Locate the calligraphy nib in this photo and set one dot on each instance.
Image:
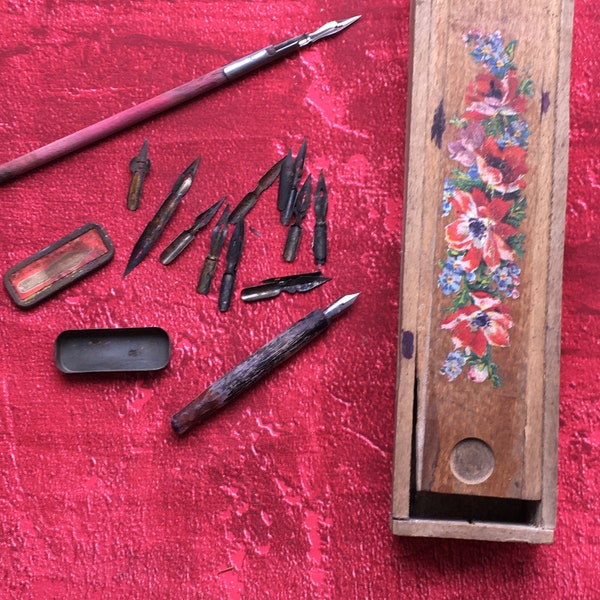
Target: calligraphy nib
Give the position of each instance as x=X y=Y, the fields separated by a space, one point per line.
x=328 y=29
x=340 y=306
x=154 y=229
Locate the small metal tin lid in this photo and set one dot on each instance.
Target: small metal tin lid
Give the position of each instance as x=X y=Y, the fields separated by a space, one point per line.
x=112 y=350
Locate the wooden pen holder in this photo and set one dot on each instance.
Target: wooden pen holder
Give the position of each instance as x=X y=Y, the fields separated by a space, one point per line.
x=479 y=347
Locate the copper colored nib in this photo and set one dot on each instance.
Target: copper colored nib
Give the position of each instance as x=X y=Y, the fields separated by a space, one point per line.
x=139 y=167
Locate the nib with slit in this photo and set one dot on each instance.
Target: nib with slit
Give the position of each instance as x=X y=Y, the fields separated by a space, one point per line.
x=271 y=288
x=217 y=239
x=251 y=198
x=139 y=167
x=328 y=29
x=156 y=226
x=184 y=239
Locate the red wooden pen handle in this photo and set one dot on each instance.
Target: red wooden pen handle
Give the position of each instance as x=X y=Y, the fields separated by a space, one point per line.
x=251 y=370
x=111 y=125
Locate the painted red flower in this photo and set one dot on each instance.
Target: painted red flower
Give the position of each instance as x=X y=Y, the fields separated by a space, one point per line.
x=502 y=168
x=479 y=230
x=490 y=95
x=475 y=326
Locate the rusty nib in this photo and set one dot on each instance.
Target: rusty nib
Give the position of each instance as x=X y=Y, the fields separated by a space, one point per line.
x=139 y=167
x=184 y=239
x=301 y=206
x=156 y=226
x=217 y=239
x=234 y=253
x=320 y=231
x=297 y=171
x=251 y=198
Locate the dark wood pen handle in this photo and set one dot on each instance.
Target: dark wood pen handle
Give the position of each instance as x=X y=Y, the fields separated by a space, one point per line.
x=248 y=372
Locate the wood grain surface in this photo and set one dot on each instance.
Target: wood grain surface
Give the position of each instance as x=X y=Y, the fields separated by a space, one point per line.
x=477 y=438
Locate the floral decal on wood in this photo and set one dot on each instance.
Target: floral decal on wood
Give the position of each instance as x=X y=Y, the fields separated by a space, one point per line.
x=485 y=204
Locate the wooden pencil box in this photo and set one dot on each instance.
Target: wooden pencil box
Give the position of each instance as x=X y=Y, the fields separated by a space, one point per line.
x=480 y=307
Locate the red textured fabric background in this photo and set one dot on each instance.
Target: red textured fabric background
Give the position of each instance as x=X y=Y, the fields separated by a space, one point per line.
x=287 y=493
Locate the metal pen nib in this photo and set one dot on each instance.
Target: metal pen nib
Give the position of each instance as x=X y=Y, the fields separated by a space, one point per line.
x=340 y=306
x=328 y=29
x=184 y=239
x=267 y=55
x=159 y=221
x=139 y=167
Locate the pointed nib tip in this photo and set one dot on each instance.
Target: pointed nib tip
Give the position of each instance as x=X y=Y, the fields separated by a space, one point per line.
x=194 y=166
x=348 y=22
x=341 y=305
x=328 y=29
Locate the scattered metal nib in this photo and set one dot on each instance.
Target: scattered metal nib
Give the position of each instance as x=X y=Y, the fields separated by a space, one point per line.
x=156 y=226
x=184 y=239
x=251 y=198
x=292 y=192
x=301 y=206
x=285 y=181
x=219 y=233
x=320 y=233
x=234 y=252
x=139 y=167
x=270 y=288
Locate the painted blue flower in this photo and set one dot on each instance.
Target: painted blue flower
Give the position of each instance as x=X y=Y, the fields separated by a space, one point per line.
x=503 y=279
x=473 y=172
x=453 y=365
x=449 y=188
x=513 y=269
x=453 y=263
x=489 y=49
x=449 y=281
x=507 y=279
x=516 y=134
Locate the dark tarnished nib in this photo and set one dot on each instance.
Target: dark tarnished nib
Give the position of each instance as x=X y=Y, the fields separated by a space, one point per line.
x=320 y=231
x=301 y=206
x=139 y=167
x=251 y=198
x=303 y=199
x=270 y=288
x=184 y=239
x=234 y=253
x=219 y=233
x=286 y=214
x=285 y=181
x=156 y=226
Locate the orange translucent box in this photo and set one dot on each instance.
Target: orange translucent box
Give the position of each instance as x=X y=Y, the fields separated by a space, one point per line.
x=59 y=265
